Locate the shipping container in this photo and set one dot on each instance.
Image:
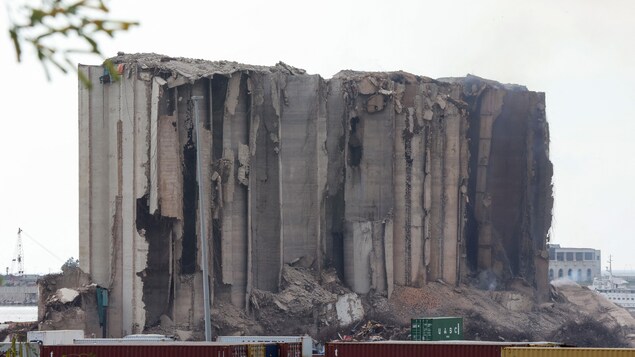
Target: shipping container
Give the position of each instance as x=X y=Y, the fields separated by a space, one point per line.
x=139 y=350
x=174 y=349
x=57 y=337
x=567 y=352
x=418 y=349
x=239 y=351
x=272 y=350
x=436 y=329
x=291 y=349
x=305 y=342
x=256 y=350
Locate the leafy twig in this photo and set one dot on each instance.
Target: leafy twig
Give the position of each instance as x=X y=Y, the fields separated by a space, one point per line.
x=83 y=19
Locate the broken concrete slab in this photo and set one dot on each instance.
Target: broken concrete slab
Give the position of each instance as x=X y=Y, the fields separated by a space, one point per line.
x=66 y=295
x=349 y=309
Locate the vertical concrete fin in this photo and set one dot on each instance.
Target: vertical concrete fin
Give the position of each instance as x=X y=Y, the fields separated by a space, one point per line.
x=491 y=105
x=264 y=184
x=85 y=169
x=115 y=183
x=336 y=116
x=401 y=245
x=322 y=171
x=389 y=255
x=141 y=172
x=233 y=92
x=436 y=146
x=170 y=180
x=451 y=177
x=157 y=82
x=299 y=169
x=377 y=257
x=227 y=234
x=127 y=154
x=100 y=236
x=357 y=255
x=227 y=253
x=417 y=233
x=255 y=88
x=277 y=87
x=236 y=223
x=462 y=261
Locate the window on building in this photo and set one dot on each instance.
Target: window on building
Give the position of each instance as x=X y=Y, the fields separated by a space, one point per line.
x=550 y=274
x=579 y=256
x=588 y=274
x=569 y=256
x=588 y=256
x=552 y=253
x=597 y=257
x=569 y=273
x=560 y=256
x=560 y=273
x=579 y=275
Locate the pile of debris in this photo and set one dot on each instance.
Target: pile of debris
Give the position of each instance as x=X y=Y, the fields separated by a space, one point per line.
x=303 y=305
x=68 y=301
x=374 y=331
x=512 y=314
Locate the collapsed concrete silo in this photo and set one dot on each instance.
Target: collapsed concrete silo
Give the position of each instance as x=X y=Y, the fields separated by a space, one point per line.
x=389 y=177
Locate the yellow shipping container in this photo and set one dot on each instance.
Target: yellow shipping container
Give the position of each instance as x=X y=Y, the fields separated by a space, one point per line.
x=256 y=351
x=567 y=352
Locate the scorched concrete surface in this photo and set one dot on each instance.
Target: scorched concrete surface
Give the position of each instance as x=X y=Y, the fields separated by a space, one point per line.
x=390 y=179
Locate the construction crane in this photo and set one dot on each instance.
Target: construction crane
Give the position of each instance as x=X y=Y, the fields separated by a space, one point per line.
x=17 y=263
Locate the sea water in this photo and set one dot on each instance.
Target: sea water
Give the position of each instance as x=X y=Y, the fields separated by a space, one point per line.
x=18 y=313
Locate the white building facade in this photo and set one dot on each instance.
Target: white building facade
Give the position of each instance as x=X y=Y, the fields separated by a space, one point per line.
x=578 y=264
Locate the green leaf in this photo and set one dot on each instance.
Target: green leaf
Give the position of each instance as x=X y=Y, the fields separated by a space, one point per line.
x=85 y=80
x=114 y=74
x=93 y=44
x=37 y=16
x=16 y=43
x=45 y=26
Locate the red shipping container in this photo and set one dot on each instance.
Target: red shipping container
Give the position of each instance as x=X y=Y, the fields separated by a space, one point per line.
x=290 y=349
x=165 y=349
x=138 y=350
x=419 y=349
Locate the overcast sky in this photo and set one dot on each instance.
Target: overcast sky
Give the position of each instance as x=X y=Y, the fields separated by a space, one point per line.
x=581 y=53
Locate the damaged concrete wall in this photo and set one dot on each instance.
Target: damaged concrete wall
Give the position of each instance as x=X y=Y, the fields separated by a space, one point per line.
x=390 y=178
x=510 y=184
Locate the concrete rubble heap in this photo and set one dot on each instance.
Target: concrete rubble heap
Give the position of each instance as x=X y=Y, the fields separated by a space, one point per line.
x=388 y=178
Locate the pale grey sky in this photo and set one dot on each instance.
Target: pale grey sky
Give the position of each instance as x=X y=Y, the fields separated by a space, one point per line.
x=581 y=53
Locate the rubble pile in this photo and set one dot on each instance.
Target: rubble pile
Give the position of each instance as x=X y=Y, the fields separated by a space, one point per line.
x=303 y=305
x=513 y=313
x=68 y=301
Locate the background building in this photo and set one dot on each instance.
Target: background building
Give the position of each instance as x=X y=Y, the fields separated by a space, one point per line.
x=578 y=264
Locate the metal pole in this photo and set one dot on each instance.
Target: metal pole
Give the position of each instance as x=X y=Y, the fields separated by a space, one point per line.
x=208 y=322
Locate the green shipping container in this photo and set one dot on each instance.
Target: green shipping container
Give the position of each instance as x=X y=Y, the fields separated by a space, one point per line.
x=436 y=329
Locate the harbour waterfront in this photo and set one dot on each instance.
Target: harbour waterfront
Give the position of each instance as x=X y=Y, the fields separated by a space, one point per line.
x=18 y=313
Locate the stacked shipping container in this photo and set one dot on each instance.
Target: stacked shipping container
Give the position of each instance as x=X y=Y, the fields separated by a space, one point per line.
x=176 y=349
x=468 y=349
x=432 y=349
x=337 y=349
x=567 y=352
